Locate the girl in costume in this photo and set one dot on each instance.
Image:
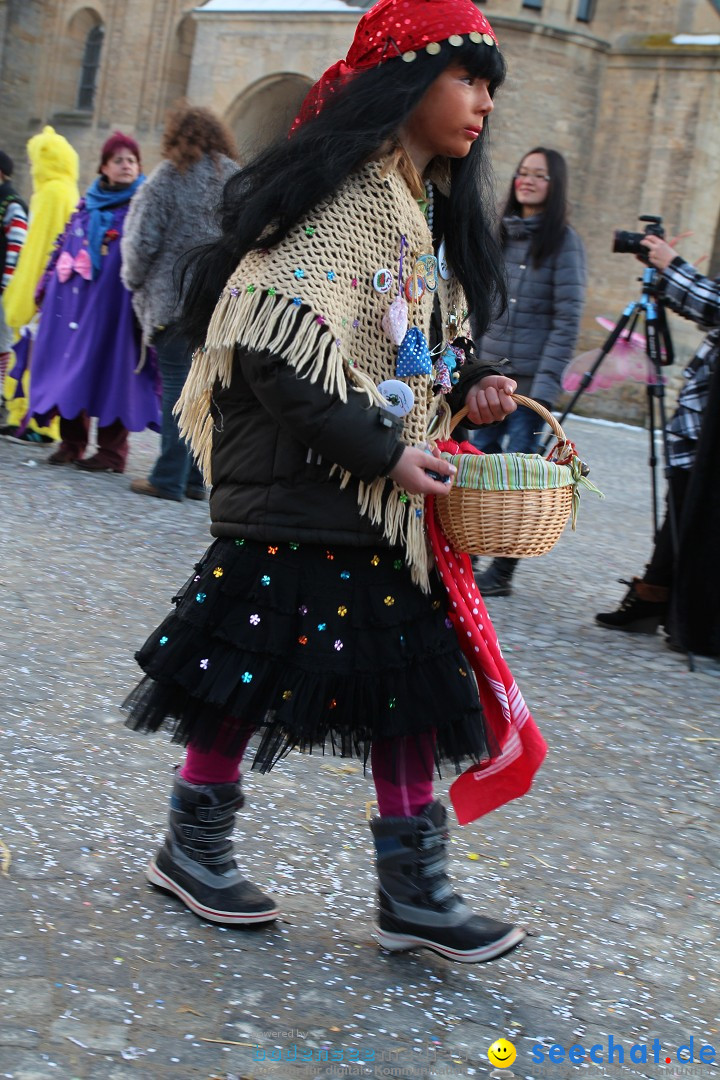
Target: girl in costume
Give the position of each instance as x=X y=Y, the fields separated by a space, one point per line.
x=54 y=166
x=87 y=355
x=536 y=335
x=317 y=617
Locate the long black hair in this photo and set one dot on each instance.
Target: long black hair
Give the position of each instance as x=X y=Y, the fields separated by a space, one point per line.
x=548 y=237
x=262 y=202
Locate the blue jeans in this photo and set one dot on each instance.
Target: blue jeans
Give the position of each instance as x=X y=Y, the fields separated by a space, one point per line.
x=515 y=434
x=174 y=471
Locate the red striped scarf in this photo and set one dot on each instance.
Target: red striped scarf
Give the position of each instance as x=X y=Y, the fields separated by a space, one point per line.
x=507 y=775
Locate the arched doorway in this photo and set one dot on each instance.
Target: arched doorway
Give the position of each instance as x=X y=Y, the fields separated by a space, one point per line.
x=264 y=111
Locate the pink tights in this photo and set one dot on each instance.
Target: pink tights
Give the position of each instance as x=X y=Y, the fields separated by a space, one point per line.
x=213 y=766
x=402 y=771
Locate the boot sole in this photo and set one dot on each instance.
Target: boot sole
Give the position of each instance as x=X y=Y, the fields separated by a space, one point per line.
x=640 y=626
x=227 y=918
x=492 y=951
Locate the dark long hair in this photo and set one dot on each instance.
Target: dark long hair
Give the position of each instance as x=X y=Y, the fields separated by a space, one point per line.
x=548 y=237
x=265 y=200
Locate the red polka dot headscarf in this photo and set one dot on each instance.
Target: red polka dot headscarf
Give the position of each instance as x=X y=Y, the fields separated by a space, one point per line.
x=403 y=28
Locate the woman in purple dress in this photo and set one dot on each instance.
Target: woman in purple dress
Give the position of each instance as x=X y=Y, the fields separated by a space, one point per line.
x=87 y=357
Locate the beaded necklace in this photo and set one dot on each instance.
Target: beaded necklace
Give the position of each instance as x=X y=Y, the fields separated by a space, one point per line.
x=427 y=205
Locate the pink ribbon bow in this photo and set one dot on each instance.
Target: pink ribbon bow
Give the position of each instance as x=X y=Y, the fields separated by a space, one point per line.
x=67 y=265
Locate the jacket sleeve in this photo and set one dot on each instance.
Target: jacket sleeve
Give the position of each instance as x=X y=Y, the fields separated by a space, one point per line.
x=144 y=232
x=358 y=436
x=568 y=297
x=688 y=293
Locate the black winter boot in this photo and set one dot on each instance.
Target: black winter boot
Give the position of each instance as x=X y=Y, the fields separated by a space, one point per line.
x=497 y=579
x=641 y=611
x=196 y=861
x=417 y=906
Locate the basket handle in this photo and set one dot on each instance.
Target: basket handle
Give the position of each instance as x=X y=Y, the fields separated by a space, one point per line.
x=520 y=399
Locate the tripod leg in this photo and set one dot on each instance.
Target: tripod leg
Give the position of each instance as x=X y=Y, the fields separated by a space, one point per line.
x=655 y=326
x=652 y=460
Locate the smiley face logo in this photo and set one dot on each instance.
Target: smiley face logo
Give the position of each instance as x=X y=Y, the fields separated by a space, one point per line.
x=502 y=1054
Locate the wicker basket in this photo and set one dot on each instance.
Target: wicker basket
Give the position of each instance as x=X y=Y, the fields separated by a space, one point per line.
x=516 y=523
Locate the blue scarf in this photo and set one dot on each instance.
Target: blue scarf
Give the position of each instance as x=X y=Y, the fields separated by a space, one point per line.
x=100 y=203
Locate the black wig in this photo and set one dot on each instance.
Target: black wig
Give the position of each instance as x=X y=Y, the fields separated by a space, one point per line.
x=262 y=202
x=547 y=239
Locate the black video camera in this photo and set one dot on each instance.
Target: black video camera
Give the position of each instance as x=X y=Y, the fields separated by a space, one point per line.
x=629 y=242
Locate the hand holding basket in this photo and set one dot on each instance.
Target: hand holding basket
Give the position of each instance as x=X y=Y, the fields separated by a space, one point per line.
x=512 y=505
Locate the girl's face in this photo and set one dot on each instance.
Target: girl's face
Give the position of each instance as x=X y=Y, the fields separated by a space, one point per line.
x=448 y=119
x=122 y=168
x=532 y=184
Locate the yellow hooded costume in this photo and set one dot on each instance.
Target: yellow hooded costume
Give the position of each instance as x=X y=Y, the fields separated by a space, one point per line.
x=55 y=167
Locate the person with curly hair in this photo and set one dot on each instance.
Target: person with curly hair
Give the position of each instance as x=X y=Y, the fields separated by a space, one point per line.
x=174 y=212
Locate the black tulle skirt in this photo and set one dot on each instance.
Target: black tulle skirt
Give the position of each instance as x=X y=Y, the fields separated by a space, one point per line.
x=311 y=646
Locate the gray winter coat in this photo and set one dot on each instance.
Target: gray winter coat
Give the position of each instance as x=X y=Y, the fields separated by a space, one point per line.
x=538 y=332
x=171 y=213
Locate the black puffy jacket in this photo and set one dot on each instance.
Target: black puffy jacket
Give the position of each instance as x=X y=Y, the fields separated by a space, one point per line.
x=276 y=439
x=538 y=332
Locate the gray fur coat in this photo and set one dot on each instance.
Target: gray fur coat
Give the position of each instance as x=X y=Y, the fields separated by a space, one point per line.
x=171 y=213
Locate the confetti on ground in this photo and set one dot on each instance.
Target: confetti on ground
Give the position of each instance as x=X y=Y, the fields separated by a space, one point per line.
x=609 y=860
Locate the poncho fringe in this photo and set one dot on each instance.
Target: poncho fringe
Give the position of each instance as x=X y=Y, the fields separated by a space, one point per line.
x=334 y=316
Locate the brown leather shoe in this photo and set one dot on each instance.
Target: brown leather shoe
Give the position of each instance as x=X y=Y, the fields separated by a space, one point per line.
x=144 y=487
x=98 y=463
x=63 y=456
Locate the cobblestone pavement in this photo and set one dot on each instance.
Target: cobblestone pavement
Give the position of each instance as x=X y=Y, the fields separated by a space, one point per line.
x=612 y=860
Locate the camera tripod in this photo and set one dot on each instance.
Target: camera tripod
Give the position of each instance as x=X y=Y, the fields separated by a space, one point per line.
x=659 y=348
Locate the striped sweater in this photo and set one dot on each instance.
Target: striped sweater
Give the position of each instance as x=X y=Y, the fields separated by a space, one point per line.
x=14 y=230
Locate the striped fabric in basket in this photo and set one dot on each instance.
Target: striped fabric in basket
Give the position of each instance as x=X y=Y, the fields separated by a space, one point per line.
x=509 y=472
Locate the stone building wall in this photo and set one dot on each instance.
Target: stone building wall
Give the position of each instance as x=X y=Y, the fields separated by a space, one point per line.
x=241 y=58
x=144 y=65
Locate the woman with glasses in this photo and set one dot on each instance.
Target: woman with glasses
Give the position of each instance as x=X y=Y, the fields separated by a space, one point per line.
x=536 y=336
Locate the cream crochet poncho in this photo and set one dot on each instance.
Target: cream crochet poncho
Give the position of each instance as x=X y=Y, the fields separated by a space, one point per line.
x=312 y=301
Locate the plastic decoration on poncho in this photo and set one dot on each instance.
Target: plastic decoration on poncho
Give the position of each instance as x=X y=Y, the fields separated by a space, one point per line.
x=413 y=355
x=395 y=320
x=446 y=369
x=511 y=505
